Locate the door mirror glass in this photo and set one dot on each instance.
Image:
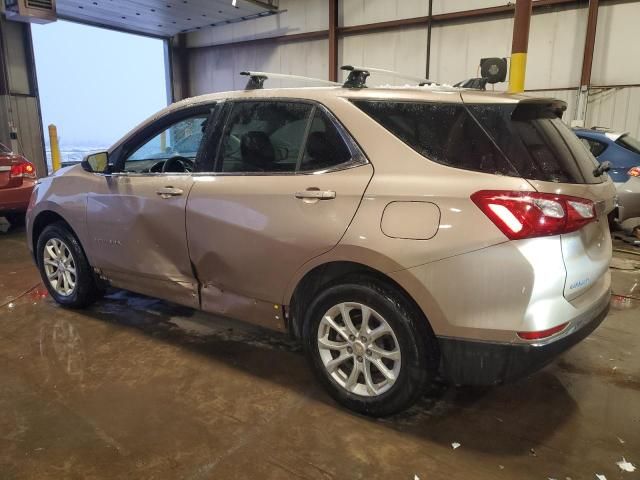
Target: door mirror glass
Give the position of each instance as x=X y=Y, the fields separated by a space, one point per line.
x=96 y=162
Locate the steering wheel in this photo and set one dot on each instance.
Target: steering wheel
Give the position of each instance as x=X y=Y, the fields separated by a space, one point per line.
x=177 y=163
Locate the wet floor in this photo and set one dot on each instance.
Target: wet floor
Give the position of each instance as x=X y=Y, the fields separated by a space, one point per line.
x=137 y=388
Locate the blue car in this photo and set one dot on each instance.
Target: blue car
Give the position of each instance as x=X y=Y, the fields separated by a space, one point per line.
x=623 y=151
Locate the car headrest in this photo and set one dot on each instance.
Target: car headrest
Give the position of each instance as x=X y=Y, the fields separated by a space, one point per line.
x=257 y=150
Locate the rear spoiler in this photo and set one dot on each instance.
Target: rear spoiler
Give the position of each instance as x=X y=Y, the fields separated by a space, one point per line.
x=555 y=105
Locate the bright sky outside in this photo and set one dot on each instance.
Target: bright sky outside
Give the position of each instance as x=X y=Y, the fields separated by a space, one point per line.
x=96 y=84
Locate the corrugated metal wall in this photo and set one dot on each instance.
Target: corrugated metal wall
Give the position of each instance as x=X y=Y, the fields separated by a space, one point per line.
x=24 y=113
x=554 y=64
x=617 y=108
x=18 y=104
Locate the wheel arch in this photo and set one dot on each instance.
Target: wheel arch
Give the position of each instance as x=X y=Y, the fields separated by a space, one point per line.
x=42 y=220
x=328 y=273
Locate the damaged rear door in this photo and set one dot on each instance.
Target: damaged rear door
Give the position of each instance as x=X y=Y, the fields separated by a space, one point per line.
x=281 y=189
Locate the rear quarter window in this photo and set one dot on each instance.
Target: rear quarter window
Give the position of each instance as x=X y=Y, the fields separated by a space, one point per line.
x=444 y=133
x=527 y=140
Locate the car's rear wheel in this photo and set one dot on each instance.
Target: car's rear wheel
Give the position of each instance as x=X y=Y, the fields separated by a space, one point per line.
x=368 y=346
x=64 y=268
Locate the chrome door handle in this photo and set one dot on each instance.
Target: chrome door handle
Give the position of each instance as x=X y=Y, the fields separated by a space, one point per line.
x=168 y=192
x=315 y=194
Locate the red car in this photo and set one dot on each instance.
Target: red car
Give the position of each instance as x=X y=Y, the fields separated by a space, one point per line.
x=17 y=179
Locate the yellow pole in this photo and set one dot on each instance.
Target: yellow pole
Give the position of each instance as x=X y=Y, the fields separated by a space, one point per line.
x=519 y=46
x=517 y=72
x=55 y=148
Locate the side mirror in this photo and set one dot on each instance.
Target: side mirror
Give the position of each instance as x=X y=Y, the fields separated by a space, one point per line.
x=96 y=162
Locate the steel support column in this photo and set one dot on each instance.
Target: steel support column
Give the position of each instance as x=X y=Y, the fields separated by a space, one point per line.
x=519 y=46
x=333 y=40
x=179 y=64
x=429 y=24
x=587 y=62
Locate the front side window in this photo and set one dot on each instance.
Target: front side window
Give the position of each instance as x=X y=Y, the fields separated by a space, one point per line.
x=264 y=137
x=172 y=150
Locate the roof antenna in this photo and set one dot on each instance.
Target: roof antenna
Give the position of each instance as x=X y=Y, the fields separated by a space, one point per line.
x=256 y=79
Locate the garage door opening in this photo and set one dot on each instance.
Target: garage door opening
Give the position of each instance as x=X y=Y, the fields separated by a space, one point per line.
x=95 y=84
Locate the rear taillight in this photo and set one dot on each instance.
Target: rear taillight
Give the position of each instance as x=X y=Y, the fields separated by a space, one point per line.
x=24 y=169
x=539 y=335
x=531 y=214
x=634 y=172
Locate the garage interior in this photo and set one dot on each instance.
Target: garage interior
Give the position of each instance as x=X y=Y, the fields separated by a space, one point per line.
x=135 y=387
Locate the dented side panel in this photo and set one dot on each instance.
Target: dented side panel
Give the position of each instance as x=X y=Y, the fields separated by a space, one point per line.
x=137 y=236
x=249 y=234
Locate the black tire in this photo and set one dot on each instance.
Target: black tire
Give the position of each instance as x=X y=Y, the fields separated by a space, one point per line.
x=417 y=344
x=86 y=289
x=614 y=224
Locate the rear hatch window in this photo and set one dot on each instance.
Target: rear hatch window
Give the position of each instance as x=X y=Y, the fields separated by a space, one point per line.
x=536 y=141
x=521 y=140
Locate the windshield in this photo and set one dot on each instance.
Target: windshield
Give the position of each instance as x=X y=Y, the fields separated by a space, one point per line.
x=630 y=143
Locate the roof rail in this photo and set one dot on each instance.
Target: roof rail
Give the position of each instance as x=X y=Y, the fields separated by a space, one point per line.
x=358 y=76
x=256 y=79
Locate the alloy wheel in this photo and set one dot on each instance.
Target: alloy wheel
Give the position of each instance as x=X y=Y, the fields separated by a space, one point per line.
x=60 y=267
x=359 y=349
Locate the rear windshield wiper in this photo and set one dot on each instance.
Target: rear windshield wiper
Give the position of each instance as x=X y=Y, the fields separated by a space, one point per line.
x=600 y=169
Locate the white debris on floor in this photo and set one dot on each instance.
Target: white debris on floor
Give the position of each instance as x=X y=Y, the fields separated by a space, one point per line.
x=600 y=477
x=626 y=466
x=455 y=445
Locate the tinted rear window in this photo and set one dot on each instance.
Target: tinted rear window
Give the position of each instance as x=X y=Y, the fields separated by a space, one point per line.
x=444 y=133
x=537 y=143
x=527 y=140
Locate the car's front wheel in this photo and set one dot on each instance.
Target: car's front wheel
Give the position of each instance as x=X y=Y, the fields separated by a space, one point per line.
x=368 y=346
x=64 y=268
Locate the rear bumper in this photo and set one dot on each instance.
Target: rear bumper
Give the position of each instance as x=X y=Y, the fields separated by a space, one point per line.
x=16 y=199
x=467 y=362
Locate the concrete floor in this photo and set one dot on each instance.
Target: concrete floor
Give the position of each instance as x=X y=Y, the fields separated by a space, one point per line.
x=137 y=388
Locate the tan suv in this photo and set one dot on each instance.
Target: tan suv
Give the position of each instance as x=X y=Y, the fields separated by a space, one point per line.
x=400 y=233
